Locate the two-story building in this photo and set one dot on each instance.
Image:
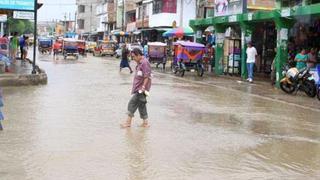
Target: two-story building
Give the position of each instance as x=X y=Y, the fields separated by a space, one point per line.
x=86 y=16
x=157 y=16
x=106 y=21
x=277 y=28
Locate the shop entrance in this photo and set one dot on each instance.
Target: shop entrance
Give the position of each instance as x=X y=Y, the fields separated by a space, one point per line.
x=264 y=39
x=232 y=51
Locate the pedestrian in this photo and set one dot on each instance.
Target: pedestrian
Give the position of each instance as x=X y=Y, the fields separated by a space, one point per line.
x=1 y=114
x=14 y=44
x=301 y=59
x=312 y=58
x=22 y=44
x=140 y=89
x=124 y=59
x=57 y=46
x=251 y=59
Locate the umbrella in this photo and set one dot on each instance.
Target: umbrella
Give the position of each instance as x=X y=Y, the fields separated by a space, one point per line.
x=178 y=32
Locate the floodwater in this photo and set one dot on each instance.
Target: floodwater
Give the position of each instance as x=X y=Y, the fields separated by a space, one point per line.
x=69 y=130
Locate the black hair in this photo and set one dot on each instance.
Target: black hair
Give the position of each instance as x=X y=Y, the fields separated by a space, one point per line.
x=137 y=51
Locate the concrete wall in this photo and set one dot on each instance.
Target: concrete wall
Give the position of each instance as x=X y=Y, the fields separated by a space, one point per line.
x=166 y=19
x=89 y=16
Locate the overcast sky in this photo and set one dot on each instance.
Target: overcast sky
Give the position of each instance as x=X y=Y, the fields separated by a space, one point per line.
x=56 y=9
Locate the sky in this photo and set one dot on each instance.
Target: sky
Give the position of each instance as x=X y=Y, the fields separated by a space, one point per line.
x=56 y=9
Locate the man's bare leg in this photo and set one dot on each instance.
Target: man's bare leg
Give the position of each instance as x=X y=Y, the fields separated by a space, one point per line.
x=145 y=123
x=127 y=124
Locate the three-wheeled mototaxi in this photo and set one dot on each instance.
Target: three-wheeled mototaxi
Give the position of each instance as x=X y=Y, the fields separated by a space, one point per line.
x=82 y=47
x=188 y=57
x=105 y=48
x=157 y=53
x=70 y=48
x=45 y=45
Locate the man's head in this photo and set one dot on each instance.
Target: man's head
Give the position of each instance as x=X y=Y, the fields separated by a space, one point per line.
x=15 y=34
x=136 y=54
x=249 y=44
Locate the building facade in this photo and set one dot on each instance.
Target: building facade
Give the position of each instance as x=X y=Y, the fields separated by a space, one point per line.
x=277 y=28
x=87 y=15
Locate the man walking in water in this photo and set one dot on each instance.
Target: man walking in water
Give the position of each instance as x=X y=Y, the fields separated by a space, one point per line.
x=140 y=89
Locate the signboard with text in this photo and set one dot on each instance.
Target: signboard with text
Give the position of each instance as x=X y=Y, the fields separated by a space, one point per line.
x=229 y=7
x=23 y=15
x=26 y=5
x=3 y=17
x=261 y=4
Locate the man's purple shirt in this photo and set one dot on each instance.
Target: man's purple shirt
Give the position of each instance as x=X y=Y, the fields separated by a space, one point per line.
x=143 y=70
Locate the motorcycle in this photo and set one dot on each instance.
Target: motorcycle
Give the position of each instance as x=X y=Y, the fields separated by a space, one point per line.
x=318 y=83
x=296 y=80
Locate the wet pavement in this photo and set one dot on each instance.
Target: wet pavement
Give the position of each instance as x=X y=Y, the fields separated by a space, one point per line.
x=69 y=129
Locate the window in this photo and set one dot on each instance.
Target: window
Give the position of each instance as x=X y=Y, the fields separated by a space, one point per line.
x=81 y=23
x=169 y=6
x=131 y=16
x=143 y=12
x=157 y=6
x=81 y=8
x=164 y=6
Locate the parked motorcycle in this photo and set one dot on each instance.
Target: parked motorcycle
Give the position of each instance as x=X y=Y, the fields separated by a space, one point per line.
x=296 y=80
x=318 y=83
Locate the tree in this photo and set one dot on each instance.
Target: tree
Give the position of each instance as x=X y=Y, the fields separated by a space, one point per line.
x=20 y=26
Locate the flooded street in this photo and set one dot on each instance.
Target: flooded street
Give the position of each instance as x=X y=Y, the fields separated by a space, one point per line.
x=69 y=130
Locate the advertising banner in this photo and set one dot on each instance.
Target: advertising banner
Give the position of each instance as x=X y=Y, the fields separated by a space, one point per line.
x=27 y=5
x=23 y=15
x=229 y=7
x=261 y=4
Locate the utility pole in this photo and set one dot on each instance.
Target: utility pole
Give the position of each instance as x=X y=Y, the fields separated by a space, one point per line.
x=142 y=23
x=35 y=36
x=181 y=13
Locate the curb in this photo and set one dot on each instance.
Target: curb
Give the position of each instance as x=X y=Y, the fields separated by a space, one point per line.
x=24 y=79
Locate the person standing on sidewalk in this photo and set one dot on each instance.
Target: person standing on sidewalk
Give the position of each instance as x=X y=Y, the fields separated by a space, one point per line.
x=1 y=114
x=14 y=44
x=140 y=89
x=124 y=59
x=251 y=59
x=22 y=44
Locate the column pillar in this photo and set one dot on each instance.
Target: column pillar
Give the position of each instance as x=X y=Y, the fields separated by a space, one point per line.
x=283 y=26
x=246 y=36
x=219 y=51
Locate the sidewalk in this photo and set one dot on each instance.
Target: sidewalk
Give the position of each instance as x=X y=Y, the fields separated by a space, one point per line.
x=20 y=75
x=259 y=88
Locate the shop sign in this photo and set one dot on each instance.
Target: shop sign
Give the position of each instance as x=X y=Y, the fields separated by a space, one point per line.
x=23 y=15
x=229 y=7
x=284 y=34
x=261 y=4
x=285 y=12
x=232 y=18
x=250 y=15
x=3 y=17
x=199 y=34
x=220 y=38
x=27 y=5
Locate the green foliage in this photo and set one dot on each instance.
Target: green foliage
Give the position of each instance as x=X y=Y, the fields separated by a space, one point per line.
x=20 y=26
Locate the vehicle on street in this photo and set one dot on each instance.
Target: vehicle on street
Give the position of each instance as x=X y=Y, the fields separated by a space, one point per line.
x=134 y=45
x=105 y=48
x=82 y=47
x=70 y=48
x=318 y=82
x=90 y=45
x=296 y=80
x=45 y=45
x=157 y=53
x=188 y=57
